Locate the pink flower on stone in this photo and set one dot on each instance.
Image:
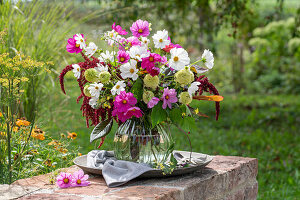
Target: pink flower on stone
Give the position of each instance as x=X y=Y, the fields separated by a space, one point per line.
x=119 y=29
x=134 y=111
x=153 y=102
x=140 y=28
x=64 y=180
x=72 y=47
x=80 y=179
x=123 y=57
x=169 y=97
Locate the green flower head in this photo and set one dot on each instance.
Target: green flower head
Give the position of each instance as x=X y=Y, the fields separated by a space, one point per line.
x=91 y=75
x=185 y=98
x=184 y=77
x=151 y=81
x=104 y=77
x=86 y=91
x=147 y=96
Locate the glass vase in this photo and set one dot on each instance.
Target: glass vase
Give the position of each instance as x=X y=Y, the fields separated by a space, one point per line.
x=136 y=141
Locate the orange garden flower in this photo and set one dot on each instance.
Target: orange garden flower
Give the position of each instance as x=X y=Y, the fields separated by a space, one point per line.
x=37 y=133
x=54 y=143
x=22 y=122
x=1 y=114
x=72 y=135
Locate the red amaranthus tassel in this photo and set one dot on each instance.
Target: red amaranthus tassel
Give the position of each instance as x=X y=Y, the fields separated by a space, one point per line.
x=206 y=86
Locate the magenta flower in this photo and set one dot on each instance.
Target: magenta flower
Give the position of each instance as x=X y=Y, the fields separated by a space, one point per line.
x=153 y=102
x=169 y=97
x=123 y=56
x=119 y=29
x=134 y=111
x=124 y=101
x=72 y=47
x=80 y=179
x=148 y=63
x=140 y=28
x=133 y=41
x=64 y=180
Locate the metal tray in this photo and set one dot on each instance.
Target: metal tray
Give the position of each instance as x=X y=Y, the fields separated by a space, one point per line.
x=82 y=163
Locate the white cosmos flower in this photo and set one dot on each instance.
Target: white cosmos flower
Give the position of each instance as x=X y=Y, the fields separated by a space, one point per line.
x=160 y=39
x=93 y=102
x=145 y=41
x=120 y=86
x=138 y=52
x=179 y=58
x=193 y=88
x=101 y=68
x=95 y=89
x=107 y=56
x=76 y=70
x=80 y=41
x=110 y=37
x=91 y=49
x=208 y=58
x=129 y=70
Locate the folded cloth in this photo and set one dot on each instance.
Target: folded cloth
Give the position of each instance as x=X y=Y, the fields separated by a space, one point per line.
x=115 y=172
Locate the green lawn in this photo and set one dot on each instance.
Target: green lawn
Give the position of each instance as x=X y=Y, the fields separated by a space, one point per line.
x=264 y=127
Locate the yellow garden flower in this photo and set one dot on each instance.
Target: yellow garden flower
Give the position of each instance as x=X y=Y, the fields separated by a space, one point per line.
x=37 y=133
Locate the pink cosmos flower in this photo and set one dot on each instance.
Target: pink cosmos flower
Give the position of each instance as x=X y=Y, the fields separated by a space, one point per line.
x=169 y=97
x=119 y=29
x=123 y=56
x=171 y=46
x=124 y=101
x=80 y=179
x=72 y=47
x=133 y=41
x=134 y=111
x=148 y=63
x=153 y=102
x=140 y=28
x=64 y=180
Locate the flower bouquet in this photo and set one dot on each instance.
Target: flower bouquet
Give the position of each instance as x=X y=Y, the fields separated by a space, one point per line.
x=143 y=84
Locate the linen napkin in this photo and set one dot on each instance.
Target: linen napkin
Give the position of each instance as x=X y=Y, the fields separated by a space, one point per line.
x=115 y=172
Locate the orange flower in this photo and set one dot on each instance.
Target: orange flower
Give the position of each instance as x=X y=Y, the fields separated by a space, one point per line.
x=62 y=150
x=37 y=133
x=72 y=135
x=79 y=154
x=15 y=129
x=54 y=142
x=1 y=114
x=3 y=134
x=22 y=122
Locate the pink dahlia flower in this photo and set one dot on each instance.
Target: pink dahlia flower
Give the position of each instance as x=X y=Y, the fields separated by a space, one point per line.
x=169 y=97
x=123 y=57
x=119 y=29
x=140 y=28
x=72 y=47
x=134 y=111
x=153 y=102
x=64 y=180
x=80 y=179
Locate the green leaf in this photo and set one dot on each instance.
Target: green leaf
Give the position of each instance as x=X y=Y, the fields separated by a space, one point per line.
x=188 y=124
x=173 y=161
x=158 y=114
x=137 y=89
x=101 y=129
x=176 y=116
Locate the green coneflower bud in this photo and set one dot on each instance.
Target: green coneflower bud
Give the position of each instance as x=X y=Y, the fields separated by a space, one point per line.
x=184 y=77
x=151 y=81
x=147 y=96
x=91 y=75
x=86 y=91
x=185 y=98
x=104 y=77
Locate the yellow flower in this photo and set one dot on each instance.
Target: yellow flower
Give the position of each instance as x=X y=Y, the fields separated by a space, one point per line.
x=151 y=81
x=62 y=135
x=22 y=122
x=54 y=142
x=3 y=134
x=72 y=135
x=15 y=129
x=1 y=114
x=62 y=150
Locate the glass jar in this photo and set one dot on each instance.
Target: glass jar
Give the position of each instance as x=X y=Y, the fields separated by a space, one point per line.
x=136 y=141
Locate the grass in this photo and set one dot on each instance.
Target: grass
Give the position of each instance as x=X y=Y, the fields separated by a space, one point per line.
x=263 y=127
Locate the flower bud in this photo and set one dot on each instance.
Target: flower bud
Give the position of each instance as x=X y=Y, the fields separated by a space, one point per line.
x=86 y=91
x=91 y=75
x=185 y=98
x=104 y=77
x=151 y=81
x=184 y=77
x=147 y=96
